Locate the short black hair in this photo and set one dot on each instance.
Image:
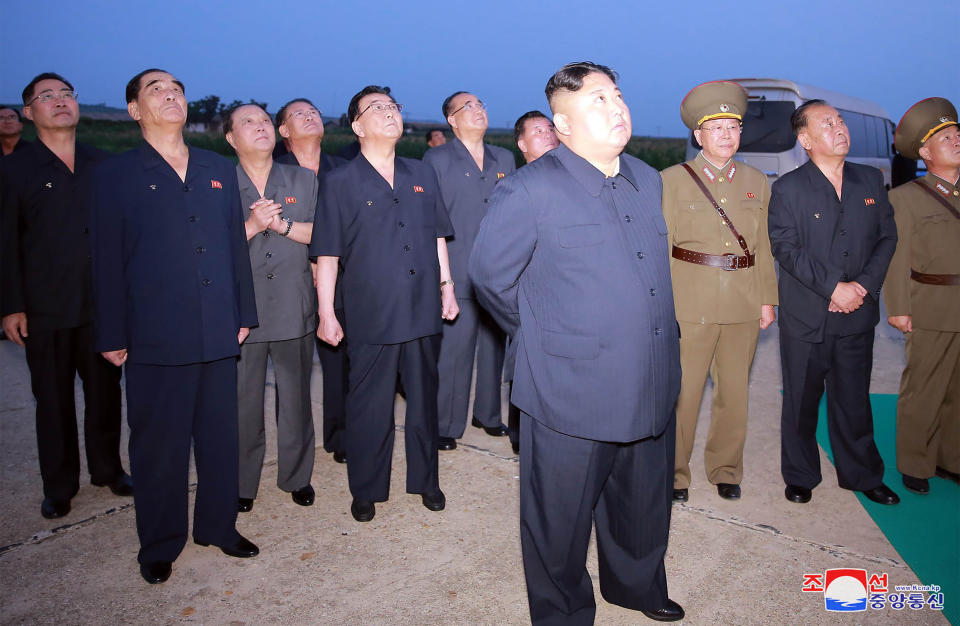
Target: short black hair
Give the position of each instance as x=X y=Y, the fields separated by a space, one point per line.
x=448 y=103
x=353 y=110
x=431 y=131
x=518 y=127
x=570 y=77
x=228 y=115
x=19 y=117
x=798 y=119
x=133 y=85
x=27 y=94
x=282 y=113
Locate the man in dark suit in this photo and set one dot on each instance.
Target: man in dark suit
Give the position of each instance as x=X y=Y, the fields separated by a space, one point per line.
x=381 y=219
x=46 y=298
x=300 y=124
x=11 y=125
x=833 y=234
x=173 y=298
x=572 y=262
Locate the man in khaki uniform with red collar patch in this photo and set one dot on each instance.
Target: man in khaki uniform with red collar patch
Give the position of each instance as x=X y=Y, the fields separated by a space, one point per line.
x=922 y=295
x=725 y=286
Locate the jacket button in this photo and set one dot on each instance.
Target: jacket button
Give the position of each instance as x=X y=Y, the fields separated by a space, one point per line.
x=193 y=218
x=412 y=272
x=406 y=248
x=270 y=276
x=396 y=200
x=653 y=292
x=85 y=231
x=401 y=224
x=845 y=253
x=842 y=232
x=201 y=249
x=627 y=218
x=485 y=200
x=269 y=255
x=657 y=331
x=205 y=282
x=640 y=255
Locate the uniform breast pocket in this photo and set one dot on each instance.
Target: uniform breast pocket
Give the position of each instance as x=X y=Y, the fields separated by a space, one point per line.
x=580 y=236
x=696 y=222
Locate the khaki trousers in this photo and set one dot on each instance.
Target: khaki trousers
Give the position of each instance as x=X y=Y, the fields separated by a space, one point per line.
x=928 y=409
x=725 y=351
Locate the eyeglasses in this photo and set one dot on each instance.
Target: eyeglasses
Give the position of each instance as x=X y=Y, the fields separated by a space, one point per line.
x=8 y=118
x=58 y=96
x=716 y=131
x=382 y=107
x=304 y=113
x=470 y=106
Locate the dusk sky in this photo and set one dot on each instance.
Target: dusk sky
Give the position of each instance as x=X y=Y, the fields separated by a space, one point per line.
x=892 y=52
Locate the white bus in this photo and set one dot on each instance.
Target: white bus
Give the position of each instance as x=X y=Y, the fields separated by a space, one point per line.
x=768 y=144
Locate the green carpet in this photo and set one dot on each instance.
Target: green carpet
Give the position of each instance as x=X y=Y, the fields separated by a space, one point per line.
x=925 y=530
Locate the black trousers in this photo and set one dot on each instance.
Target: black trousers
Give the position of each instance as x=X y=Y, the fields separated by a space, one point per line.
x=336 y=383
x=566 y=485
x=844 y=364
x=55 y=358
x=168 y=407
x=370 y=423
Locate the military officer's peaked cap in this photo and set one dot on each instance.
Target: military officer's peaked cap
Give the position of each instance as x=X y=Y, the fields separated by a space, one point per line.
x=719 y=99
x=921 y=122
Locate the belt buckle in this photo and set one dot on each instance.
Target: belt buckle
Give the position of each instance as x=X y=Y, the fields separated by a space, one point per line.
x=733 y=266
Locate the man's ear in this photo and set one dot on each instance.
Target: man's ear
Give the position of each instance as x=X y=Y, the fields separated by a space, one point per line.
x=357 y=129
x=522 y=144
x=804 y=140
x=27 y=112
x=134 y=110
x=561 y=124
x=283 y=130
x=229 y=138
x=696 y=135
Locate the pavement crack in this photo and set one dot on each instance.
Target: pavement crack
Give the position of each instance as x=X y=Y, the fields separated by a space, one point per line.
x=766 y=529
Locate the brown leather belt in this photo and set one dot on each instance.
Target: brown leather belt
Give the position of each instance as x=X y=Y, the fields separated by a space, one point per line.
x=727 y=262
x=935 y=279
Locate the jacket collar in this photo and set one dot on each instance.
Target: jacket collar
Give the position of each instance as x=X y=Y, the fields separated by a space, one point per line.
x=589 y=177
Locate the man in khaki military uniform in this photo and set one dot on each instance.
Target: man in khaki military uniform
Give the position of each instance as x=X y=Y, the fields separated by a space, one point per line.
x=922 y=294
x=724 y=284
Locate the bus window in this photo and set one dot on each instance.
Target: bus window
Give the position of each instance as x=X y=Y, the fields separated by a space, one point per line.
x=766 y=127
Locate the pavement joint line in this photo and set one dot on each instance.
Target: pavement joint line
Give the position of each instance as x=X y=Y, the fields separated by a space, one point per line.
x=838 y=551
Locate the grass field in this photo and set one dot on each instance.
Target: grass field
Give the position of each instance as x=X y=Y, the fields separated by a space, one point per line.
x=116 y=136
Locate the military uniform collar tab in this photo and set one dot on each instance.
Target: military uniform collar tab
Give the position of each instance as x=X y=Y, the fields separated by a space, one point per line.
x=724 y=173
x=943 y=186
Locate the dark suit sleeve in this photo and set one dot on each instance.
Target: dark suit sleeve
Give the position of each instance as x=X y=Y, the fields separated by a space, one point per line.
x=502 y=250
x=110 y=295
x=875 y=269
x=440 y=214
x=788 y=249
x=246 y=301
x=11 y=284
x=327 y=239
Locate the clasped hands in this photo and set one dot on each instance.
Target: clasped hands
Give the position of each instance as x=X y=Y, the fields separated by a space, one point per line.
x=265 y=214
x=847 y=297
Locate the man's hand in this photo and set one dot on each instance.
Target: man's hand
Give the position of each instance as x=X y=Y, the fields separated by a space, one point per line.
x=15 y=326
x=449 y=309
x=847 y=297
x=329 y=329
x=767 y=316
x=903 y=323
x=117 y=357
x=264 y=214
x=242 y=335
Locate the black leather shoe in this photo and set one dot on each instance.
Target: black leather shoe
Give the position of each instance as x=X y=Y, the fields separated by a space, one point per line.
x=515 y=445
x=52 y=509
x=340 y=457
x=882 y=495
x=798 y=494
x=671 y=612
x=728 y=491
x=447 y=443
x=681 y=495
x=494 y=431
x=242 y=548
x=916 y=485
x=303 y=497
x=156 y=572
x=943 y=472
x=122 y=485
x=362 y=510
x=244 y=505
x=434 y=501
